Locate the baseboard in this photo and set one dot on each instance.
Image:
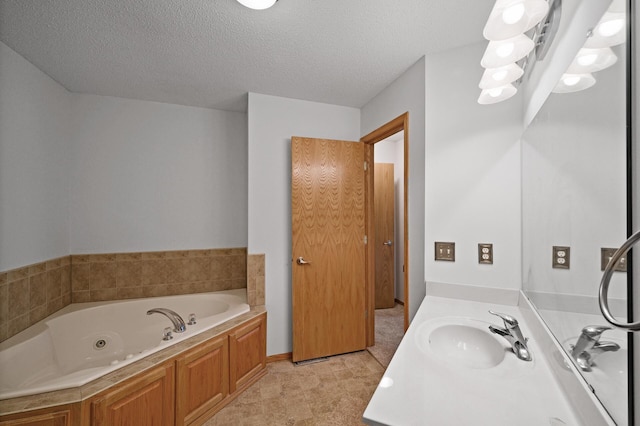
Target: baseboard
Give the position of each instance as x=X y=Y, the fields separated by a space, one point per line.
x=279 y=357
x=399 y=302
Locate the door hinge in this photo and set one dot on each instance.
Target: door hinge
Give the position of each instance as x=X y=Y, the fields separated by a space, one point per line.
x=365 y=166
x=365 y=239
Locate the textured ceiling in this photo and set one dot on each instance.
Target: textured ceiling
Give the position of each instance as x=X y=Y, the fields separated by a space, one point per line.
x=210 y=53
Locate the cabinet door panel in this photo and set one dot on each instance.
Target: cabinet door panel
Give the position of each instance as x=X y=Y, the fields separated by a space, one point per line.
x=144 y=400
x=247 y=349
x=202 y=380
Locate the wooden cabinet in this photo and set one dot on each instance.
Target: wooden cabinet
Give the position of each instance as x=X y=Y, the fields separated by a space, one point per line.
x=65 y=415
x=247 y=353
x=202 y=380
x=146 y=399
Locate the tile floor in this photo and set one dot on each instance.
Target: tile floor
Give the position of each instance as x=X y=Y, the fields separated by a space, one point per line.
x=331 y=392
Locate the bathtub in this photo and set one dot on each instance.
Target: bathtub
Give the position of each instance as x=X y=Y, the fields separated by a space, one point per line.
x=85 y=341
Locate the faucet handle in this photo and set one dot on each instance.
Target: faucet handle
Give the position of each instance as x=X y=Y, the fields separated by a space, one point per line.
x=509 y=321
x=594 y=331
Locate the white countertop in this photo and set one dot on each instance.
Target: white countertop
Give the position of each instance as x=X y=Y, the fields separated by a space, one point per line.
x=429 y=389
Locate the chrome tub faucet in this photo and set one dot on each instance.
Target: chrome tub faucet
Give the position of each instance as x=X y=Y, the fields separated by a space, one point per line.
x=178 y=323
x=588 y=346
x=513 y=334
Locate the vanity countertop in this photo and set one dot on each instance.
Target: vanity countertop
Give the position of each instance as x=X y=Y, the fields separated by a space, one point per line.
x=423 y=387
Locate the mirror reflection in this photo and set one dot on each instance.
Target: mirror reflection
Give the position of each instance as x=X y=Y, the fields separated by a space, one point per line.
x=574 y=208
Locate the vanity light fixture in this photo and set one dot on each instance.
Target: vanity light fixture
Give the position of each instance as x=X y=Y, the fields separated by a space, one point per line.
x=496 y=77
x=257 y=4
x=574 y=83
x=497 y=94
x=592 y=60
x=509 y=18
x=504 y=52
x=609 y=31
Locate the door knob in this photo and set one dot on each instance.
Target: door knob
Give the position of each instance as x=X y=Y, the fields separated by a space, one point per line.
x=301 y=261
x=387 y=243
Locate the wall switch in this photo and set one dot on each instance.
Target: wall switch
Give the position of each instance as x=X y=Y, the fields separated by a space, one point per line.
x=561 y=257
x=605 y=256
x=445 y=251
x=485 y=253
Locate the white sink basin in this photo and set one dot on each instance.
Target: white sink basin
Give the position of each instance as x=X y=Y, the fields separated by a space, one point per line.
x=462 y=342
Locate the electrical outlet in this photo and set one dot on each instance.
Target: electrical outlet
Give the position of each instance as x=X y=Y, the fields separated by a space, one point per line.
x=485 y=253
x=605 y=256
x=561 y=257
x=445 y=251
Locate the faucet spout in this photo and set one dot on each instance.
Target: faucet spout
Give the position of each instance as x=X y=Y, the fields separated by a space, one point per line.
x=513 y=334
x=589 y=346
x=179 y=325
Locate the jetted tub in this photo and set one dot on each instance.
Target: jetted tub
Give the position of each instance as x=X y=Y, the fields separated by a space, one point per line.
x=84 y=341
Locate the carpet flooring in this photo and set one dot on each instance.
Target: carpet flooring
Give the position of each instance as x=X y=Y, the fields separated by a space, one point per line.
x=389 y=332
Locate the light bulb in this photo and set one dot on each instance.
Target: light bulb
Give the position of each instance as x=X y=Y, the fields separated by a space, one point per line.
x=589 y=59
x=571 y=80
x=505 y=50
x=610 y=28
x=513 y=14
x=494 y=93
x=257 y=4
x=499 y=75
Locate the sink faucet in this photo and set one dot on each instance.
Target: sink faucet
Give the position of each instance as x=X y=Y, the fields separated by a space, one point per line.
x=512 y=333
x=178 y=323
x=589 y=346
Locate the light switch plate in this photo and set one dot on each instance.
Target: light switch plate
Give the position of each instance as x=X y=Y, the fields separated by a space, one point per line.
x=445 y=251
x=561 y=257
x=485 y=253
x=605 y=256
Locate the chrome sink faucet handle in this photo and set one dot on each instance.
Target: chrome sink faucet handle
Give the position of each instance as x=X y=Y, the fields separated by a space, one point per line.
x=588 y=346
x=513 y=334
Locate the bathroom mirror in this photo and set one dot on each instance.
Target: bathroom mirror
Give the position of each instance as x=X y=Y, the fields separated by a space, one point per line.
x=574 y=198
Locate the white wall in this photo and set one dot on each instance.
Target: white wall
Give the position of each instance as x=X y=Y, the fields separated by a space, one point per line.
x=272 y=122
x=407 y=93
x=151 y=176
x=34 y=151
x=472 y=173
x=391 y=150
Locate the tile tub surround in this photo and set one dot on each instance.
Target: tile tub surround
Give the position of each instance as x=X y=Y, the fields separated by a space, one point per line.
x=101 y=277
x=255 y=279
x=31 y=293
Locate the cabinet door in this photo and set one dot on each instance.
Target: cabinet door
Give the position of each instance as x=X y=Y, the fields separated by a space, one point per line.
x=146 y=400
x=57 y=416
x=202 y=380
x=247 y=352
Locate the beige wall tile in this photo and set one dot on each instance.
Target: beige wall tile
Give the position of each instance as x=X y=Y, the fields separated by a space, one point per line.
x=80 y=276
x=4 y=303
x=103 y=276
x=37 y=290
x=54 y=264
x=17 y=324
x=128 y=274
x=19 y=297
x=37 y=268
x=81 y=296
x=17 y=274
x=104 y=294
x=37 y=314
x=54 y=283
x=128 y=256
x=129 y=292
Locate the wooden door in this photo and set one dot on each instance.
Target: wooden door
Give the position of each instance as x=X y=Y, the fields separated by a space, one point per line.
x=328 y=229
x=384 y=206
